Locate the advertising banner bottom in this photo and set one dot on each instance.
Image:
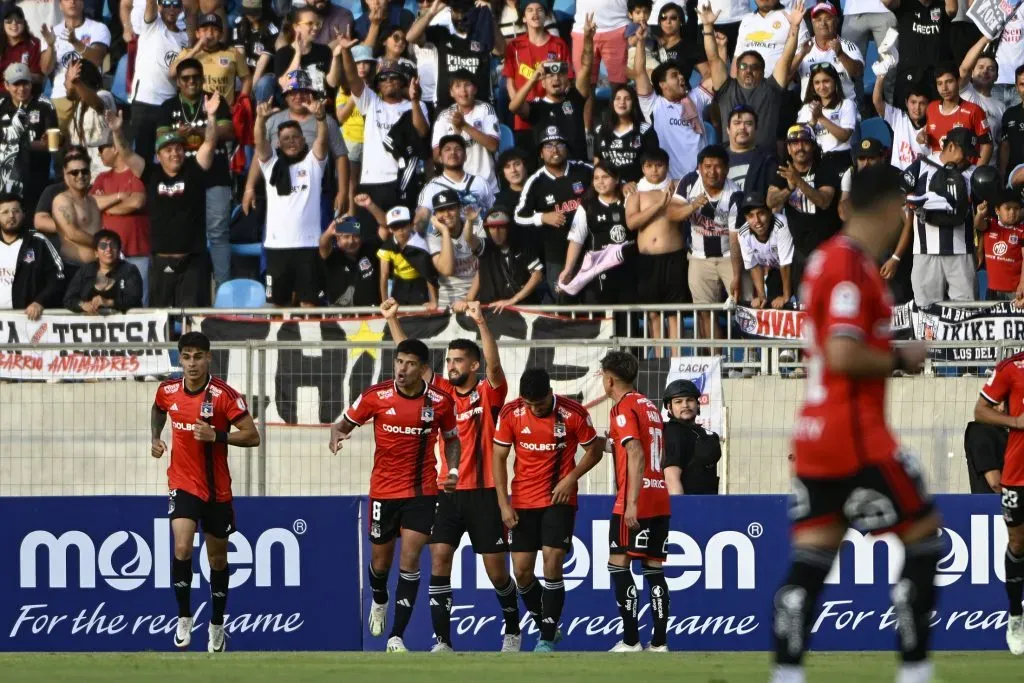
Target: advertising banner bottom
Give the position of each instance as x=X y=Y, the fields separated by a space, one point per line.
x=93 y=574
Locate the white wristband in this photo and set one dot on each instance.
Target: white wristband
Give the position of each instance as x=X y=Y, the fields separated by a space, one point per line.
x=454 y=470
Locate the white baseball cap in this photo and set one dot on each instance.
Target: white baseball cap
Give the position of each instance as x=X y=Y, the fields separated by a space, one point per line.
x=398 y=215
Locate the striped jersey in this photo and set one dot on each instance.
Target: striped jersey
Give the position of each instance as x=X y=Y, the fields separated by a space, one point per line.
x=711 y=224
x=932 y=239
x=476 y=411
x=775 y=252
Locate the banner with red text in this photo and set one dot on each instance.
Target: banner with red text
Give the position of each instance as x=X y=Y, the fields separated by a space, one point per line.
x=20 y=357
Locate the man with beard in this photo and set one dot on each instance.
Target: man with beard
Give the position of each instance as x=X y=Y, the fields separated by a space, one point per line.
x=455 y=246
x=24 y=119
x=160 y=42
x=183 y=115
x=473 y=191
x=550 y=198
x=476 y=122
x=222 y=64
x=31 y=272
x=978 y=73
x=75 y=212
x=294 y=173
x=350 y=265
x=691 y=452
x=809 y=191
x=179 y=275
x=749 y=166
x=473 y=507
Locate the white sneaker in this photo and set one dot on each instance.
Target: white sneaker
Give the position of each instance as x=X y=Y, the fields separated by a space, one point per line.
x=657 y=648
x=512 y=643
x=378 y=618
x=438 y=647
x=915 y=672
x=395 y=644
x=622 y=647
x=183 y=634
x=217 y=642
x=1015 y=635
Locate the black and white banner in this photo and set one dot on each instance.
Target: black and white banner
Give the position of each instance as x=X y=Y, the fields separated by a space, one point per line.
x=990 y=16
x=329 y=379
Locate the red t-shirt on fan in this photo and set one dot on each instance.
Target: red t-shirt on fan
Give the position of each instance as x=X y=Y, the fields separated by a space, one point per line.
x=404 y=429
x=475 y=412
x=966 y=115
x=635 y=417
x=522 y=58
x=841 y=426
x=545 y=447
x=216 y=403
x=1003 y=255
x=1007 y=385
x=133 y=228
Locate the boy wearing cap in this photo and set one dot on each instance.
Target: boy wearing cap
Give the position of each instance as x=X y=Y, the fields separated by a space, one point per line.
x=160 y=41
x=221 y=64
x=476 y=122
x=827 y=47
x=807 y=191
x=767 y=249
x=1002 y=237
x=869 y=152
x=510 y=269
x=405 y=263
x=350 y=266
x=24 y=120
x=525 y=54
x=471 y=190
x=564 y=101
x=454 y=245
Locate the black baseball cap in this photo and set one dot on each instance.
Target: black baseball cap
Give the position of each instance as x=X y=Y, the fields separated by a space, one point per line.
x=550 y=134
x=751 y=201
x=963 y=138
x=445 y=199
x=210 y=19
x=869 y=148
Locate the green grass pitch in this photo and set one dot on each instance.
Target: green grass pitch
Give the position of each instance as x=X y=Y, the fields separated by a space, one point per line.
x=697 y=667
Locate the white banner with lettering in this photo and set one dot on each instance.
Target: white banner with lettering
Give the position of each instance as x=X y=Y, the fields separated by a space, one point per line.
x=20 y=360
x=706 y=373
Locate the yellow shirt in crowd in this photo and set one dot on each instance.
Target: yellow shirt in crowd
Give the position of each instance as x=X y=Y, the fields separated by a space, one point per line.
x=352 y=129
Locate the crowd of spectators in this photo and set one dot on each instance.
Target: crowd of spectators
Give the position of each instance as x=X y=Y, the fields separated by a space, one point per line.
x=626 y=152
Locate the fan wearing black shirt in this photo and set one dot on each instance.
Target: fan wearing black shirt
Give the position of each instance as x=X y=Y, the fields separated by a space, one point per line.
x=303 y=52
x=623 y=136
x=254 y=33
x=179 y=275
x=510 y=270
x=456 y=49
x=351 y=266
x=562 y=104
x=924 y=41
x=1011 y=147
x=512 y=172
x=808 y=190
x=550 y=199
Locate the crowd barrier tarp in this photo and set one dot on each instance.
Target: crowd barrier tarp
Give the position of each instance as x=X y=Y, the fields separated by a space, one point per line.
x=94 y=574
x=340 y=375
x=76 y=332
x=728 y=555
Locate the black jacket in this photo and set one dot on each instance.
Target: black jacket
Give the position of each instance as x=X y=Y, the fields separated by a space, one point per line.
x=39 y=275
x=126 y=292
x=696 y=452
x=985 y=446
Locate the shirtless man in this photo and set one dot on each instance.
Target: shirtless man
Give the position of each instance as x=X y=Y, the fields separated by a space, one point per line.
x=661 y=263
x=76 y=213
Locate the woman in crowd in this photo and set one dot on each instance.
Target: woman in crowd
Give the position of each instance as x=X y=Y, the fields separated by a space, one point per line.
x=17 y=44
x=107 y=284
x=623 y=136
x=832 y=116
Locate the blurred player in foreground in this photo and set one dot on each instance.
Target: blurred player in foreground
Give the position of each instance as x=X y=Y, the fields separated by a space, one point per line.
x=545 y=430
x=640 y=518
x=473 y=507
x=202 y=409
x=407 y=415
x=1006 y=385
x=850 y=471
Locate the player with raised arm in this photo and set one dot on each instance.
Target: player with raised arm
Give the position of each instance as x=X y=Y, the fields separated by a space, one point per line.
x=407 y=415
x=473 y=507
x=545 y=430
x=1006 y=385
x=640 y=518
x=202 y=409
x=849 y=469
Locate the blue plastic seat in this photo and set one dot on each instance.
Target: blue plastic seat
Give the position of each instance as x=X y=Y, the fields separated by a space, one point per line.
x=508 y=140
x=877 y=128
x=251 y=250
x=240 y=293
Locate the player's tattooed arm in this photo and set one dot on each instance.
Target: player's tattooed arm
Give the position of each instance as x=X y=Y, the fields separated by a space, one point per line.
x=157 y=420
x=499 y=463
x=635 y=468
x=452 y=456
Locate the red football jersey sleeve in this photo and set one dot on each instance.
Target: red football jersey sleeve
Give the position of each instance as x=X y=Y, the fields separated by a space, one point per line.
x=1006 y=385
x=636 y=418
x=842 y=426
x=475 y=412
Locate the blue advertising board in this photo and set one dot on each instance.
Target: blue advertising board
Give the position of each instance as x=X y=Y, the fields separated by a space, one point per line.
x=93 y=574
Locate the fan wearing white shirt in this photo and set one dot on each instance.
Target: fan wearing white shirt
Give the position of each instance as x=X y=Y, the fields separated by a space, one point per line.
x=832 y=116
x=767 y=248
x=827 y=47
x=765 y=32
x=978 y=74
x=476 y=122
x=472 y=191
x=294 y=179
x=907 y=123
x=77 y=38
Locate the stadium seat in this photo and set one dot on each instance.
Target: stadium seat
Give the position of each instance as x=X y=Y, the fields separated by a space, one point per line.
x=508 y=140
x=250 y=250
x=240 y=294
x=567 y=7
x=877 y=128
